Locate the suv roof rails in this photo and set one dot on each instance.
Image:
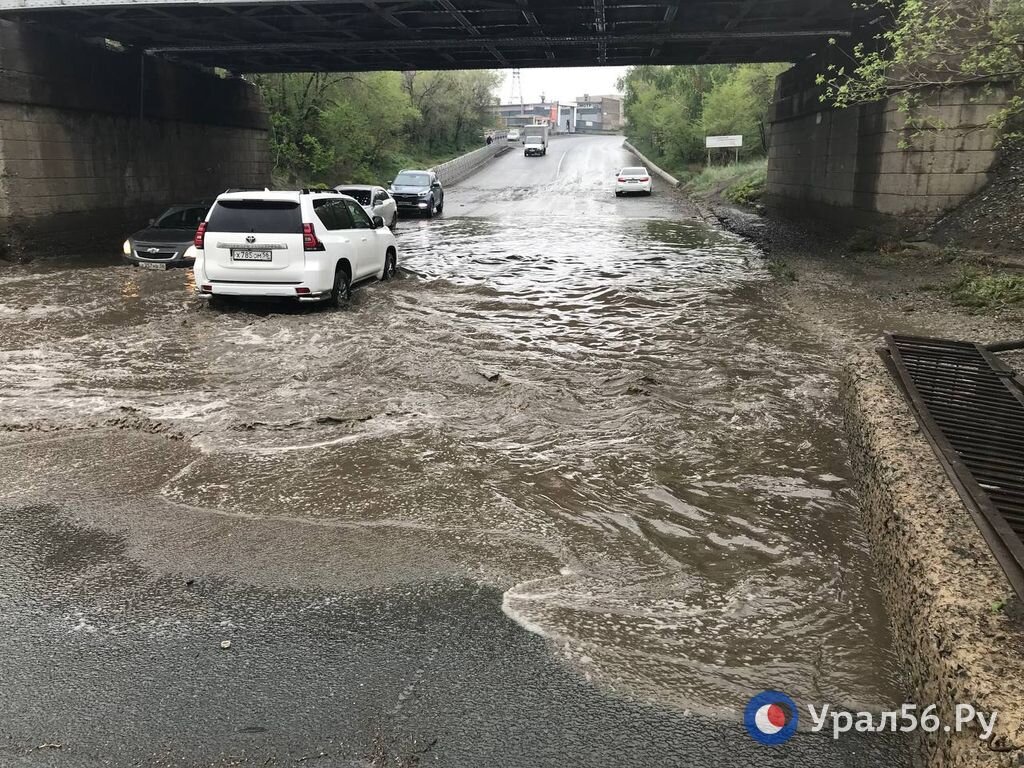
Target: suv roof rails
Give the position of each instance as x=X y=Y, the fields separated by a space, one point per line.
x=307 y=191
x=229 y=190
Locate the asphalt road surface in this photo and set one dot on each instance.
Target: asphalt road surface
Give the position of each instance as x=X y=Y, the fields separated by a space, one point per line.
x=567 y=492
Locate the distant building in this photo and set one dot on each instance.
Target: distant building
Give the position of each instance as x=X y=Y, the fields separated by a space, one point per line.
x=592 y=114
x=561 y=117
x=599 y=113
x=567 y=116
x=520 y=115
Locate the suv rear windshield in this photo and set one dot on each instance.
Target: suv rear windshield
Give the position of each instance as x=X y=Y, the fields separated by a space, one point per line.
x=361 y=195
x=263 y=216
x=412 y=180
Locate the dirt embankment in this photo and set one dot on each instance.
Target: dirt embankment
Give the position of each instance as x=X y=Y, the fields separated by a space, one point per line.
x=963 y=277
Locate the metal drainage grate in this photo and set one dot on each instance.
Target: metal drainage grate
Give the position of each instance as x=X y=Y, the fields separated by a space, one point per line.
x=971 y=409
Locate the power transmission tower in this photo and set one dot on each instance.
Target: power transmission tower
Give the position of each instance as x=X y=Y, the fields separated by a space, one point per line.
x=517 y=88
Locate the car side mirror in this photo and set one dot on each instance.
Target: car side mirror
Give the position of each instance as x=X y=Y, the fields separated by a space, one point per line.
x=378 y=222
x=152 y=222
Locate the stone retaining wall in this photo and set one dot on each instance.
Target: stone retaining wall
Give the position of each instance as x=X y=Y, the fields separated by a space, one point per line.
x=95 y=141
x=957 y=625
x=863 y=165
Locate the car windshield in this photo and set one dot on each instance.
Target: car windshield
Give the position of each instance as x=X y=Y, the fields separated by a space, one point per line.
x=263 y=216
x=634 y=172
x=412 y=180
x=362 y=196
x=180 y=218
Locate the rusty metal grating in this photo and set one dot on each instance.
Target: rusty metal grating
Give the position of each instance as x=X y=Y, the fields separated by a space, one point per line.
x=971 y=409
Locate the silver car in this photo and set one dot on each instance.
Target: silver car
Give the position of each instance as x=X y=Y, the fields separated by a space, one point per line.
x=376 y=200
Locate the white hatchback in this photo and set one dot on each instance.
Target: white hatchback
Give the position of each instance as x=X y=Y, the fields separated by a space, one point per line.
x=308 y=246
x=631 y=180
x=375 y=200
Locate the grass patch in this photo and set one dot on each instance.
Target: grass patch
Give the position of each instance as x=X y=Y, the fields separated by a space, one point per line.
x=748 y=189
x=780 y=270
x=742 y=183
x=981 y=289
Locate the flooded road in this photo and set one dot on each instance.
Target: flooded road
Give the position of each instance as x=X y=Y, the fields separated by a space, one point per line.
x=575 y=438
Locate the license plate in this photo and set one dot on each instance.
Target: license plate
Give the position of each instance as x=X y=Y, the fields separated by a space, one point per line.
x=152 y=265
x=240 y=255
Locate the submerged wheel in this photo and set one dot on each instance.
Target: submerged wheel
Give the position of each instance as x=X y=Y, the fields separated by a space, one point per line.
x=390 y=265
x=342 y=290
x=394 y=221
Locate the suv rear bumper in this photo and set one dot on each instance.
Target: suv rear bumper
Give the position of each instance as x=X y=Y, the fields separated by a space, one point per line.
x=316 y=284
x=260 y=291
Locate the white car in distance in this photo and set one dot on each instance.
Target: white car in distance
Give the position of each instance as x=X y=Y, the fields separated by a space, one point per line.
x=309 y=246
x=375 y=200
x=632 y=180
x=513 y=134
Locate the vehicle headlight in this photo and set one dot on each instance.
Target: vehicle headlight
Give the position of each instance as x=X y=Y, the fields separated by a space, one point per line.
x=424 y=194
x=127 y=248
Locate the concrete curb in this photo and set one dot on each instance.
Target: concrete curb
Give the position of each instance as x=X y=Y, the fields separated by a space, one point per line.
x=957 y=626
x=651 y=166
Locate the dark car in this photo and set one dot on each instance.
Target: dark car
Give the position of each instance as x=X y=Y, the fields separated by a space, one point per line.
x=418 y=192
x=166 y=240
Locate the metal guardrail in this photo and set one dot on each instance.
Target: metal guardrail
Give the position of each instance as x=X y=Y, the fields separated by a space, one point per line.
x=971 y=408
x=461 y=167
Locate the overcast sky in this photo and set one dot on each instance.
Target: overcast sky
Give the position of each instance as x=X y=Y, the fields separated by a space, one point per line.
x=563 y=84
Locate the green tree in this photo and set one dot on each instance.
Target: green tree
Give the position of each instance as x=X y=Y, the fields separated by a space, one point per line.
x=332 y=128
x=739 y=105
x=924 y=46
x=671 y=109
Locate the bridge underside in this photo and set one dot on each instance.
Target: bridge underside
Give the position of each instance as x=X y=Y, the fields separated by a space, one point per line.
x=362 y=35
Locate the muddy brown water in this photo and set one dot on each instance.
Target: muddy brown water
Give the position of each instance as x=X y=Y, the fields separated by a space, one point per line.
x=591 y=402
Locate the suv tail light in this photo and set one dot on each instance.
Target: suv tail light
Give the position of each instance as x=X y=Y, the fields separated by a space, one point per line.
x=200 y=238
x=309 y=239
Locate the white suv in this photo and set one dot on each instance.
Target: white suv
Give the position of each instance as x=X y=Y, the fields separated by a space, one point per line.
x=309 y=246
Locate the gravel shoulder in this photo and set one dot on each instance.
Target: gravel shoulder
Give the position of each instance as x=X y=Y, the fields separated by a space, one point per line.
x=849 y=296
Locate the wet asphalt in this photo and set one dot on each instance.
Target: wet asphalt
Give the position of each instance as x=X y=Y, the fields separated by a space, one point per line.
x=569 y=491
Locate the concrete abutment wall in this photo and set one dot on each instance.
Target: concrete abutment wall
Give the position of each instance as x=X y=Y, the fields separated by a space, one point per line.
x=94 y=141
x=863 y=166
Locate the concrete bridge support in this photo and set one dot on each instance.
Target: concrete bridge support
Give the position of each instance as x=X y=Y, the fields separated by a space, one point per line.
x=93 y=141
x=861 y=166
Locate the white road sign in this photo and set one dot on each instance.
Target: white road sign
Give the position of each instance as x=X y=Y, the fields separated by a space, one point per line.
x=714 y=142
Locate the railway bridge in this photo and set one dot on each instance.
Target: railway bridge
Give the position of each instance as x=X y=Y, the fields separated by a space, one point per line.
x=111 y=107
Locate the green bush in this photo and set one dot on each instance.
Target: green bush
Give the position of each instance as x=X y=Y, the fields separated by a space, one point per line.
x=741 y=183
x=749 y=188
x=986 y=290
